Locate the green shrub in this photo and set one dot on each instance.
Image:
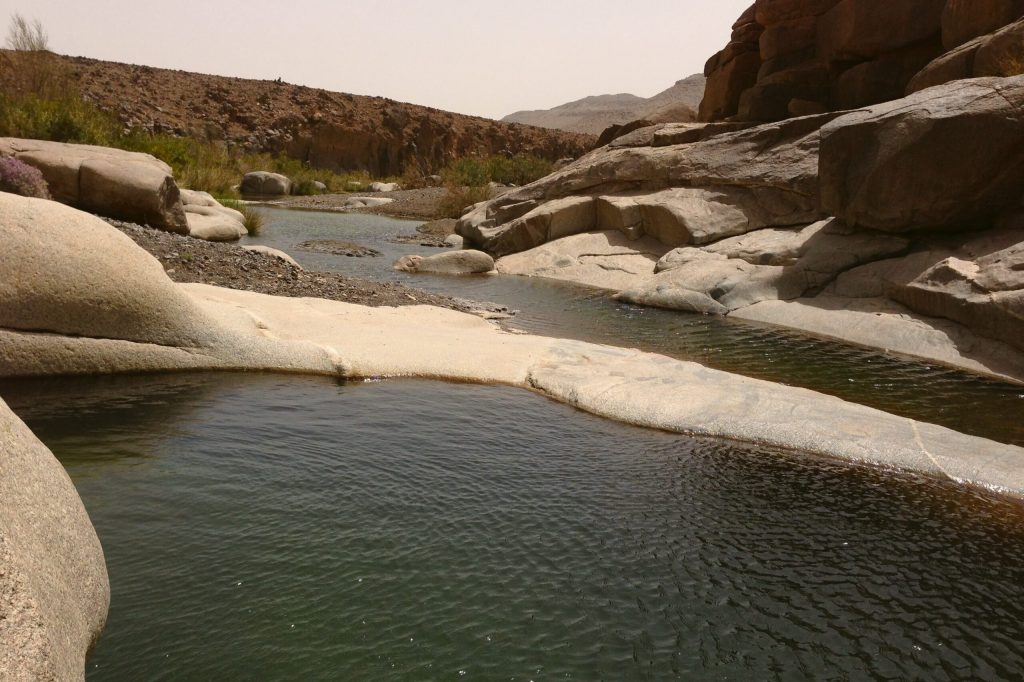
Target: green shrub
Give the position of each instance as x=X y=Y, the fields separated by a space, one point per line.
x=459 y=197
x=253 y=220
x=521 y=169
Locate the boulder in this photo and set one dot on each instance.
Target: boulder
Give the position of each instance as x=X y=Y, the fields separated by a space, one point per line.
x=723 y=185
x=882 y=79
x=384 y=187
x=963 y=20
x=606 y=260
x=117 y=184
x=949 y=157
x=97 y=284
x=54 y=591
x=265 y=183
x=466 y=262
x=865 y=29
x=260 y=248
x=209 y=220
x=1000 y=53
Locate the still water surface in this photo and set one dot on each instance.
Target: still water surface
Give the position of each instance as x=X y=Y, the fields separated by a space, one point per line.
x=265 y=527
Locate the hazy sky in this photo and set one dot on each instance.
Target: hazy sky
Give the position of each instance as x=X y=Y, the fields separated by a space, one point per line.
x=470 y=56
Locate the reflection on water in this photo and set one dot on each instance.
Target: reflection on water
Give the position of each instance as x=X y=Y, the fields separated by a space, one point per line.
x=297 y=528
x=919 y=390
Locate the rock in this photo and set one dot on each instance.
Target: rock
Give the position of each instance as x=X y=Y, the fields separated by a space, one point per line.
x=54 y=591
x=1000 y=53
x=384 y=187
x=882 y=79
x=606 y=260
x=721 y=186
x=466 y=262
x=366 y=202
x=114 y=183
x=265 y=183
x=119 y=291
x=865 y=29
x=963 y=20
x=259 y=248
x=209 y=220
x=617 y=130
x=944 y=158
x=759 y=266
x=319 y=186
x=338 y=247
x=454 y=241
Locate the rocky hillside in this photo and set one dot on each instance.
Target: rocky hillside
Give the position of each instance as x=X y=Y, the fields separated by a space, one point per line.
x=797 y=57
x=330 y=130
x=592 y=115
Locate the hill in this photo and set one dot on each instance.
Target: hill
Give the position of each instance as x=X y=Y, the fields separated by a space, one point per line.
x=591 y=115
x=331 y=130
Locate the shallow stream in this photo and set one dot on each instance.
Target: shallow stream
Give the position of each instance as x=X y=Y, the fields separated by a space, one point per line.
x=268 y=527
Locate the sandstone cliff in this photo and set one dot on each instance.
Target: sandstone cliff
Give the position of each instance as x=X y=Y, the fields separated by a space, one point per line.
x=797 y=57
x=331 y=130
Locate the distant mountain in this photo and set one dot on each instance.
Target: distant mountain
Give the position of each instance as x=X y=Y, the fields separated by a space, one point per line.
x=591 y=115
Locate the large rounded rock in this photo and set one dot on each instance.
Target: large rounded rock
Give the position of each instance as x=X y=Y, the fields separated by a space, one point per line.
x=949 y=157
x=54 y=590
x=111 y=182
x=265 y=183
x=467 y=262
x=209 y=220
x=67 y=272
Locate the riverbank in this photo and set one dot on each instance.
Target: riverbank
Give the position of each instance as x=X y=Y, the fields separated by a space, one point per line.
x=188 y=260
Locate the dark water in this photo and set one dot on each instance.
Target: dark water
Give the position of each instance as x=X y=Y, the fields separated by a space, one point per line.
x=263 y=527
x=919 y=390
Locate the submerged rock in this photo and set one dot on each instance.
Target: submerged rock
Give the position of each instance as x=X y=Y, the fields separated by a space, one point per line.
x=338 y=247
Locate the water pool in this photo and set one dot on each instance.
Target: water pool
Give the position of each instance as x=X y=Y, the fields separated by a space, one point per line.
x=267 y=527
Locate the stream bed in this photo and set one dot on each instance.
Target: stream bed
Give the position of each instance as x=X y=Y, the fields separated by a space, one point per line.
x=279 y=527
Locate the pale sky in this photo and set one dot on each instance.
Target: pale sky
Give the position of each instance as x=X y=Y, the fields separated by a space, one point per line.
x=469 y=56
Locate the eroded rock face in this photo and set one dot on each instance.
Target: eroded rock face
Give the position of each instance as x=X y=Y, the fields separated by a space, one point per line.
x=111 y=182
x=1000 y=53
x=797 y=57
x=719 y=186
x=948 y=158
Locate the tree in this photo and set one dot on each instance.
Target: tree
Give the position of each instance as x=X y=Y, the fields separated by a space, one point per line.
x=26 y=36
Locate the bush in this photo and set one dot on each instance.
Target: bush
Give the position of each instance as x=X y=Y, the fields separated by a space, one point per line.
x=458 y=198
x=521 y=169
x=252 y=220
x=18 y=177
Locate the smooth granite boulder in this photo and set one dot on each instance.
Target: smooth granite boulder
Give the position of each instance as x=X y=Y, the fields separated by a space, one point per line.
x=466 y=262
x=66 y=272
x=54 y=591
x=265 y=183
x=125 y=185
x=950 y=157
x=209 y=220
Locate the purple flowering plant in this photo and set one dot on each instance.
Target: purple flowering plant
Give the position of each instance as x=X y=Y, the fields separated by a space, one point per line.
x=18 y=177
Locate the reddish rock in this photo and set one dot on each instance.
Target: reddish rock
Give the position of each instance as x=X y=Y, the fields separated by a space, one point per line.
x=882 y=79
x=998 y=54
x=865 y=29
x=726 y=84
x=963 y=20
x=328 y=129
x=769 y=12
